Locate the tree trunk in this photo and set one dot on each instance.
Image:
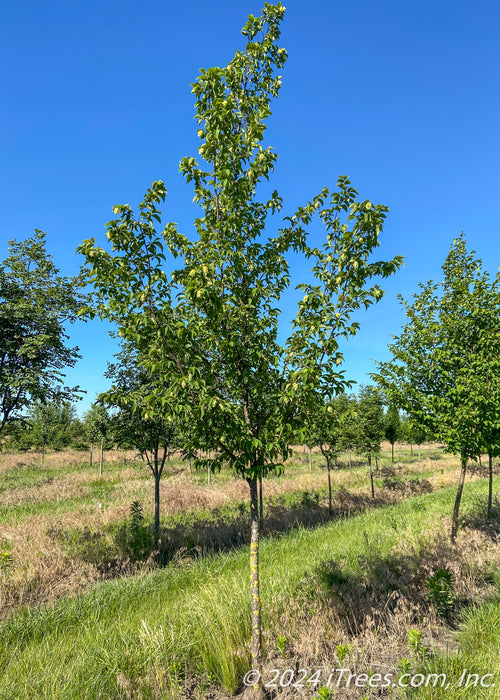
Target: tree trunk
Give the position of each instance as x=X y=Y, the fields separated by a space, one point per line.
x=157 y=504
x=261 y=501
x=91 y=453
x=479 y=459
x=101 y=457
x=371 y=475
x=458 y=498
x=490 y=484
x=329 y=487
x=254 y=586
x=411 y=449
x=310 y=460
x=392 y=446
x=350 y=461
x=43 y=453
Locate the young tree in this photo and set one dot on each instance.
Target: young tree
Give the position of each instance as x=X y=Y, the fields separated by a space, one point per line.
x=50 y=425
x=326 y=426
x=150 y=431
x=95 y=423
x=370 y=426
x=348 y=408
x=446 y=361
x=35 y=304
x=209 y=327
x=392 y=426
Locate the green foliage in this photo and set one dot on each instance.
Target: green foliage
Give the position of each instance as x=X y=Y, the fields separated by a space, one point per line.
x=211 y=324
x=404 y=666
x=441 y=595
x=415 y=642
x=135 y=538
x=370 y=415
x=392 y=424
x=281 y=644
x=446 y=361
x=208 y=324
x=35 y=304
x=96 y=422
x=343 y=651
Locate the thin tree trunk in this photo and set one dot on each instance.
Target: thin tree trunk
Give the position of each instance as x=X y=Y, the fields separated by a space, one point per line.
x=350 y=460
x=101 y=457
x=261 y=501
x=392 y=446
x=43 y=453
x=310 y=460
x=157 y=504
x=419 y=454
x=411 y=449
x=371 y=475
x=458 y=498
x=254 y=586
x=91 y=453
x=490 y=484
x=479 y=458
x=329 y=487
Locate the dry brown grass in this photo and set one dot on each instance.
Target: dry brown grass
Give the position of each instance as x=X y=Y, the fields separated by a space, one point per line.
x=370 y=614
x=41 y=569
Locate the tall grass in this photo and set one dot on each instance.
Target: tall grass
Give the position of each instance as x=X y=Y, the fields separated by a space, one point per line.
x=150 y=635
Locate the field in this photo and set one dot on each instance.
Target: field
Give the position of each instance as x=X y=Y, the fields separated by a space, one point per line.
x=90 y=610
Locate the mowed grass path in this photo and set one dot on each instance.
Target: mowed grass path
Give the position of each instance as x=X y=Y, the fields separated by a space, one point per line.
x=144 y=636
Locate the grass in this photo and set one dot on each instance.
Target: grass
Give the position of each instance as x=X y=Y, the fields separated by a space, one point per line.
x=67 y=497
x=187 y=626
x=476 y=661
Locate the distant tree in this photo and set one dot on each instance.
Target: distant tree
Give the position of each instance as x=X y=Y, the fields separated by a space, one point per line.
x=134 y=422
x=370 y=414
x=35 y=305
x=324 y=432
x=392 y=424
x=348 y=411
x=95 y=424
x=51 y=425
x=446 y=361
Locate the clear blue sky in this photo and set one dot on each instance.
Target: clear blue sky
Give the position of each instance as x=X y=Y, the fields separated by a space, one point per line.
x=402 y=96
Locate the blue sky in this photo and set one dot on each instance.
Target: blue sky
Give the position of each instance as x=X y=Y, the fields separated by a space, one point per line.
x=402 y=96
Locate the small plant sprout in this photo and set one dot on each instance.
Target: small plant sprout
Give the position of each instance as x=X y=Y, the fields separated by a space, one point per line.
x=404 y=665
x=281 y=644
x=324 y=693
x=441 y=595
x=343 y=650
x=416 y=644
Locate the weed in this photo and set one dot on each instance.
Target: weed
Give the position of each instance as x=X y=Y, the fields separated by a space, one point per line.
x=5 y=559
x=440 y=586
x=404 y=666
x=343 y=650
x=416 y=644
x=281 y=644
x=324 y=693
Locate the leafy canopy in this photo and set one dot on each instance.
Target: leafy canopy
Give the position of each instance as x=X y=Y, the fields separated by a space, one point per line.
x=35 y=304
x=446 y=361
x=204 y=311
